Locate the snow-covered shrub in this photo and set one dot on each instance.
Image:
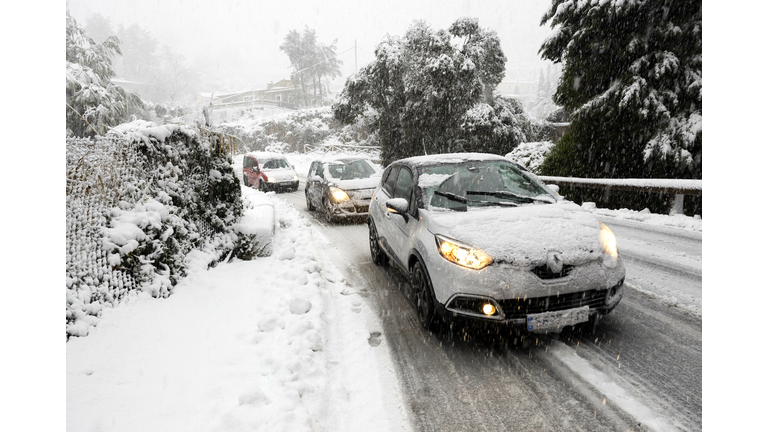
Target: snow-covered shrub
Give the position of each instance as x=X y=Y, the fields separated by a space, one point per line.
x=138 y=201
x=292 y=131
x=531 y=154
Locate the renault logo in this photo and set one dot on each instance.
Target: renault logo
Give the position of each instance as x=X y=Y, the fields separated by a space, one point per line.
x=555 y=261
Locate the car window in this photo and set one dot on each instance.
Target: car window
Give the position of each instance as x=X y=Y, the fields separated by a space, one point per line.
x=275 y=164
x=247 y=163
x=319 y=170
x=311 y=169
x=480 y=183
x=404 y=184
x=350 y=169
x=389 y=183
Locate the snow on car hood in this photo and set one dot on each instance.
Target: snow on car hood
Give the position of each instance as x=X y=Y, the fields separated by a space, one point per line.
x=523 y=235
x=359 y=183
x=280 y=174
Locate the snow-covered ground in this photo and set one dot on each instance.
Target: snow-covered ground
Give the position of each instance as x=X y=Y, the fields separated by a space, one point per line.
x=280 y=343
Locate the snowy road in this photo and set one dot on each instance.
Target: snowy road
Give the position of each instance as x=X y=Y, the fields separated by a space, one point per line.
x=642 y=371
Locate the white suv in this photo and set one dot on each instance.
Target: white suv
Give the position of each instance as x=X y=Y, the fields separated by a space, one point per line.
x=484 y=239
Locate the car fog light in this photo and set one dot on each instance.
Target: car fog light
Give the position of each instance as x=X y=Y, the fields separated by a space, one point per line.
x=489 y=309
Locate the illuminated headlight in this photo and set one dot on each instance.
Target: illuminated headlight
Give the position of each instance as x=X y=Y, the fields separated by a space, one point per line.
x=462 y=254
x=271 y=179
x=608 y=240
x=338 y=194
x=489 y=309
x=295 y=177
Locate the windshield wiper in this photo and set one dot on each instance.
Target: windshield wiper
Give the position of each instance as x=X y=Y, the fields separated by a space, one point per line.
x=452 y=196
x=508 y=194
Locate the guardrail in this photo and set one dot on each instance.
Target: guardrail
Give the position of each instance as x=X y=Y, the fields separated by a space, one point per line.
x=228 y=144
x=373 y=151
x=676 y=187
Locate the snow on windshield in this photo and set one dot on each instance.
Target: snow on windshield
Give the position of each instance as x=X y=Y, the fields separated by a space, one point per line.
x=275 y=164
x=349 y=169
x=475 y=183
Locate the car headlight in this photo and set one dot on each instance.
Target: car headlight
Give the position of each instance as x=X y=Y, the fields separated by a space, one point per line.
x=295 y=177
x=338 y=194
x=608 y=240
x=270 y=179
x=462 y=254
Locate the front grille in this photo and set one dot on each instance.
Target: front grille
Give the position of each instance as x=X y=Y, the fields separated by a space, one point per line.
x=519 y=308
x=543 y=271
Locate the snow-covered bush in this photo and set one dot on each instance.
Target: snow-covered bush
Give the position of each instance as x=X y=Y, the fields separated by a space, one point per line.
x=291 y=132
x=530 y=155
x=138 y=201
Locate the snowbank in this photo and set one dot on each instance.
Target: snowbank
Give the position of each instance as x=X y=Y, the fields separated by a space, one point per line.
x=279 y=343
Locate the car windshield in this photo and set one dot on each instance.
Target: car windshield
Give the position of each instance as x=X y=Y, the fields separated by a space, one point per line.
x=480 y=183
x=350 y=169
x=275 y=164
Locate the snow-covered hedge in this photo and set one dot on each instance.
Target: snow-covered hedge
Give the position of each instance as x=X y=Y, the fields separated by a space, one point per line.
x=291 y=131
x=530 y=154
x=138 y=201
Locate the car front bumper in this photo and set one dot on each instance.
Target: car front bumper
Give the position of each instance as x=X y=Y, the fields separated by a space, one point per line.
x=281 y=185
x=518 y=293
x=351 y=208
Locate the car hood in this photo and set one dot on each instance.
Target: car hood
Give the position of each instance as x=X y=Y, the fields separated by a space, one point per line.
x=280 y=174
x=525 y=235
x=360 y=183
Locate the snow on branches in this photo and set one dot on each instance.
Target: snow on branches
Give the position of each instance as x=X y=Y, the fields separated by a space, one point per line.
x=631 y=75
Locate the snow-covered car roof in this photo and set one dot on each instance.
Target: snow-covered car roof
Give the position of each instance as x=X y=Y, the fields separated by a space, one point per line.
x=331 y=159
x=451 y=158
x=265 y=155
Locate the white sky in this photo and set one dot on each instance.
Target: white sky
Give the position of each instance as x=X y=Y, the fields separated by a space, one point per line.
x=247 y=34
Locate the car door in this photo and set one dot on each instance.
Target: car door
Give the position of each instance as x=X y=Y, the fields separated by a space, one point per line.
x=378 y=208
x=316 y=185
x=308 y=182
x=401 y=226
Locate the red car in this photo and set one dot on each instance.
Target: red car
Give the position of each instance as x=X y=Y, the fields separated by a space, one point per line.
x=269 y=171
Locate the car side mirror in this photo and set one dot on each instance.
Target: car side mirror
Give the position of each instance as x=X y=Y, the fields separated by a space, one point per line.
x=555 y=188
x=398 y=206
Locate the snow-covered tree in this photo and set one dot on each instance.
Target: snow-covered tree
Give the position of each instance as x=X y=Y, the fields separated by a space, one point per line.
x=432 y=92
x=632 y=79
x=94 y=104
x=313 y=62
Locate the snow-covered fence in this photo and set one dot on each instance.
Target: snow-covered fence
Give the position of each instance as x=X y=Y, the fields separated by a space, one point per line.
x=373 y=151
x=677 y=187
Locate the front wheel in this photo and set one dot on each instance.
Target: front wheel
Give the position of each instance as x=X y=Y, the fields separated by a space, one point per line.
x=245 y=181
x=310 y=207
x=373 y=240
x=425 y=304
x=328 y=208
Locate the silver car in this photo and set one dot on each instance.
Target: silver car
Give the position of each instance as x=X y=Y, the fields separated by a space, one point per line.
x=484 y=239
x=341 y=187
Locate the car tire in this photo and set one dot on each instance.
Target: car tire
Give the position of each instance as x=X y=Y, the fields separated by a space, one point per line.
x=310 y=207
x=373 y=241
x=328 y=210
x=424 y=298
x=245 y=180
x=260 y=186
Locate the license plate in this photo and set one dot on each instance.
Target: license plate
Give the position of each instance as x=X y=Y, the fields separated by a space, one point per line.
x=553 y=322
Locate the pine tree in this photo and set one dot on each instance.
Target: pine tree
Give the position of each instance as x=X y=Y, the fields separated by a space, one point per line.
x=632 y=79
x=313 y=62
x=94 y=104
